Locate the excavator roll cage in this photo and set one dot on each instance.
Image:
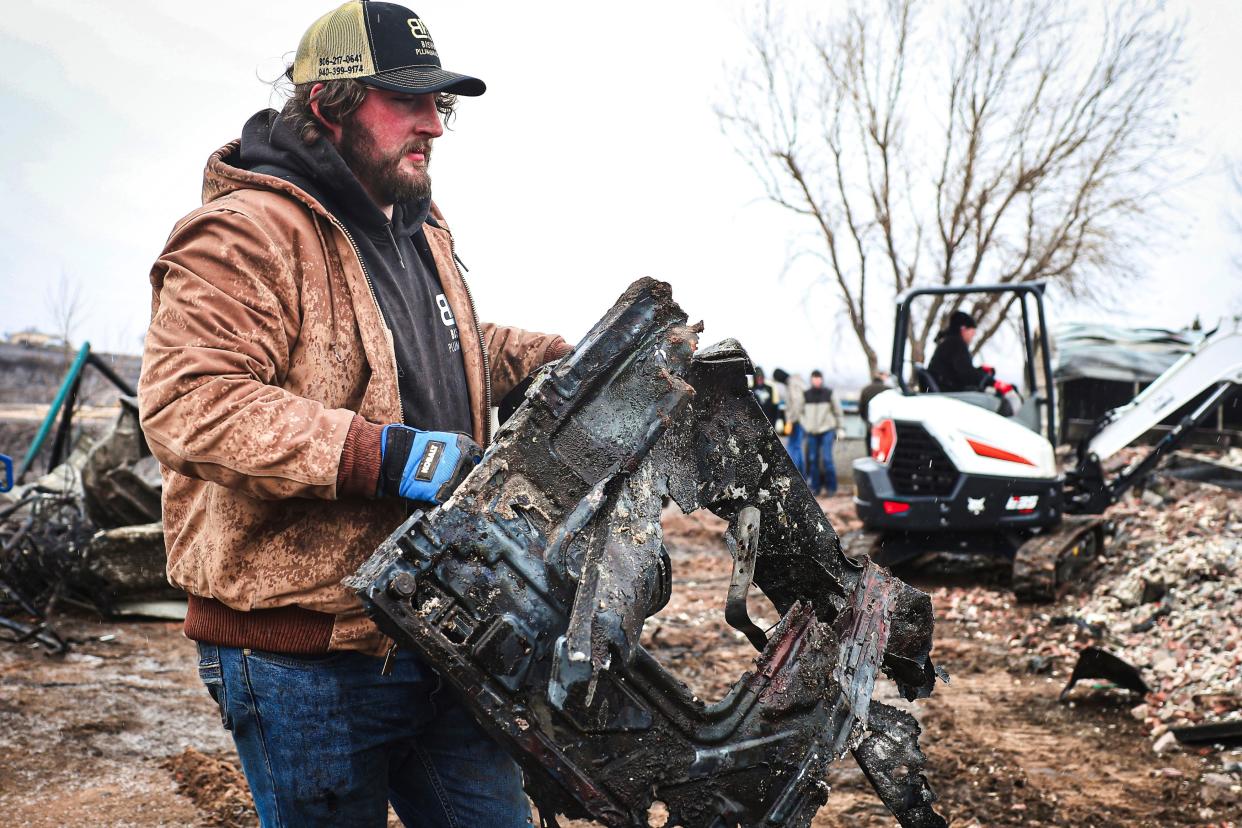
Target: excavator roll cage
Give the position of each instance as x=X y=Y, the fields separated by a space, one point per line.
x=1034 y=341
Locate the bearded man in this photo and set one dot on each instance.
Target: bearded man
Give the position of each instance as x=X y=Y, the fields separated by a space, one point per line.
x=314 y=367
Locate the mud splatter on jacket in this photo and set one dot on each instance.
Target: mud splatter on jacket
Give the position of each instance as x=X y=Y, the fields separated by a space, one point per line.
x=267 y=372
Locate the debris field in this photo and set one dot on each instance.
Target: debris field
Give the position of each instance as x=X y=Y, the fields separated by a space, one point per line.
x=121 y=732
x=718 y=664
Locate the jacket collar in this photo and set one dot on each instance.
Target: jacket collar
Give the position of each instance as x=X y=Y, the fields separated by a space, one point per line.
x=224 y=174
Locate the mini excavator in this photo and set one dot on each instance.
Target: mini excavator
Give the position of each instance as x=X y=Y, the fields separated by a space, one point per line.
x=966 y=472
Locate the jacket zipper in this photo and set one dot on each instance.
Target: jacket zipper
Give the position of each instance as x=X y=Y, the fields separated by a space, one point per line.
x=371 y=287
x=478 y=329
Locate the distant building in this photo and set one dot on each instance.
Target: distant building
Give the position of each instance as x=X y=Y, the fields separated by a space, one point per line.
x=30 y=338
x=1100 y=367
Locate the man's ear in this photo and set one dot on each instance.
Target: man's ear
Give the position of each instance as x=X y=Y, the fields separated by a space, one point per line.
x=333 y=128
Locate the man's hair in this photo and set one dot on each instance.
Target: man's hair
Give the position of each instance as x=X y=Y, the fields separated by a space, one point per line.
x=817 y=373
x=337 y=101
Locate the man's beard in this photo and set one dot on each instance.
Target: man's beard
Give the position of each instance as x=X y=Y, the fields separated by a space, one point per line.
x=381 y=174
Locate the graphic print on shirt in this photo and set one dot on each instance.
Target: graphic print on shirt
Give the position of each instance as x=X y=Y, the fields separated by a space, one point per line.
x=446 y=316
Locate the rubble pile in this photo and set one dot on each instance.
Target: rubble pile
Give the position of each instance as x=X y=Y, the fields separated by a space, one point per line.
x=1168 y=600
x=216 y=785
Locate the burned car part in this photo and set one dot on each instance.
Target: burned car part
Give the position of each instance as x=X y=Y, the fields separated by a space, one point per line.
x=528 y=590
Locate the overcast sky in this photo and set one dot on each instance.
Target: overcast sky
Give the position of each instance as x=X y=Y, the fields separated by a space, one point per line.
x=594 y=158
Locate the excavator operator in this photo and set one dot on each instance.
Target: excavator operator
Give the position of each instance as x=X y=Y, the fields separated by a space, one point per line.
x=951 y=365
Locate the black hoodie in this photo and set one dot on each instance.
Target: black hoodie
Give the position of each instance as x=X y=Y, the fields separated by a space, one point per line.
x=398 y=262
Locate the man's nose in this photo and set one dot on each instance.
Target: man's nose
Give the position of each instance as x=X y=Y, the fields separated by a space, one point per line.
x=428 y=122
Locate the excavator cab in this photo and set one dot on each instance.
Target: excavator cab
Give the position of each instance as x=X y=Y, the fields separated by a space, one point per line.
x=1035 y=407
x=948 y=473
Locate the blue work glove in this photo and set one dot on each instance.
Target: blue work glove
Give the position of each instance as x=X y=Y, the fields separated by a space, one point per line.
x=424 y=465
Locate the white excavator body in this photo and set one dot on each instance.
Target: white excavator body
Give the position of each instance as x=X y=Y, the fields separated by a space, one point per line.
x=947 y=472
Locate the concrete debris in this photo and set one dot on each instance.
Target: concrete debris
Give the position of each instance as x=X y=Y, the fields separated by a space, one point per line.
x=129 y=563
x=1166 y=601
x=1166 y=744
x=1220 y=789
x=121 y=481
x=528 y=591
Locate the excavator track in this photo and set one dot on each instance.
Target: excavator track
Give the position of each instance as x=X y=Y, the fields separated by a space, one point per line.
x=1047 y=563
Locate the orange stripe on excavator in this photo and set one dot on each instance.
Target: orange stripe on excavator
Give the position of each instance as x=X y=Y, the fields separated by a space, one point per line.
x=984 y=450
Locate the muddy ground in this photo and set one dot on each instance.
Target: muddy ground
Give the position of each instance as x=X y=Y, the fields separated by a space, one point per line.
x=121 y=733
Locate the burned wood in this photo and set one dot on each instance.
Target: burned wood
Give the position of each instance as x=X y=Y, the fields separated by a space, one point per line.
x=528 y=591
x=1224 y=732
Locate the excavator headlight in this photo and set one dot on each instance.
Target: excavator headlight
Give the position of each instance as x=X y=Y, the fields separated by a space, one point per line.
x=883 y=440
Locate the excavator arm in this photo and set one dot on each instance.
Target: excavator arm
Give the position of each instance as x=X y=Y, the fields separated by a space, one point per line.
x=1213 y=367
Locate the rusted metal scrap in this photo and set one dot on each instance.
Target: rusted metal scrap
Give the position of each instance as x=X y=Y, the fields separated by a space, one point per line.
x=528 y=590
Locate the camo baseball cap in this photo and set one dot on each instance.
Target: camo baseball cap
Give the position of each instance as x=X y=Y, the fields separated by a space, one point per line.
x=381 y=44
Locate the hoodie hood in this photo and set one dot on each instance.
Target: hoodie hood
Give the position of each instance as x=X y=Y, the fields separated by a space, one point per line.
x=270 y=147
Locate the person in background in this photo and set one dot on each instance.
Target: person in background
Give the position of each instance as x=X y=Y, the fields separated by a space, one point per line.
x=821 y=417
x=880 y=381
x=765 y=395
x=795 y=436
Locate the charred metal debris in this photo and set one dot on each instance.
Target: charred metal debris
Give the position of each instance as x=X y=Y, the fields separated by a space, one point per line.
x=528 y=591
x=87 y=534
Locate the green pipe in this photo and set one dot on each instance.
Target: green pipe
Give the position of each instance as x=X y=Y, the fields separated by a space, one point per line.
x=74 y=370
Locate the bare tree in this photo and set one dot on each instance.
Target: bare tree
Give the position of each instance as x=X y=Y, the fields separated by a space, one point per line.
x=1000 y=142
x=66 y=307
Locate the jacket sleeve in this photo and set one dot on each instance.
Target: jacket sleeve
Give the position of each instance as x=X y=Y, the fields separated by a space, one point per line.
x=515 y=353
x=225 y=310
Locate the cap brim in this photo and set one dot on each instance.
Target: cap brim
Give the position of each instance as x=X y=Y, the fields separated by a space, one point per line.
x=423 y=80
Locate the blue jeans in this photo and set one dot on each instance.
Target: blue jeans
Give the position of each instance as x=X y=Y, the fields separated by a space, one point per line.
x=794 y=446
x=327 y=740
x=819 y=450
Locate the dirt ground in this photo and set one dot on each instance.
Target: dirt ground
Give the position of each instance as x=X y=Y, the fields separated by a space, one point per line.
x=121 y=733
